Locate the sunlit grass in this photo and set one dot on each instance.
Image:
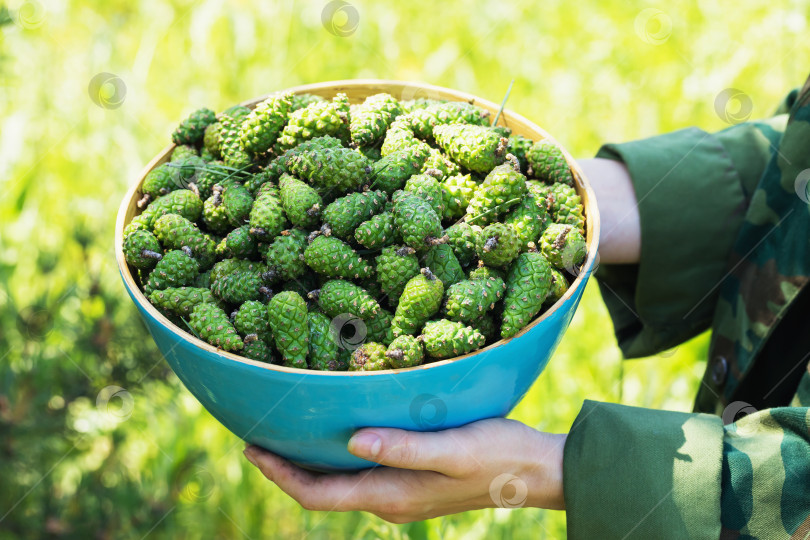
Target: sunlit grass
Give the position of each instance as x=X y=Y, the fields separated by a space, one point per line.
x=588 y=72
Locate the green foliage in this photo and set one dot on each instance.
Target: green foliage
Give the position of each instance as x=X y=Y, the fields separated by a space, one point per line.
x=152 y=462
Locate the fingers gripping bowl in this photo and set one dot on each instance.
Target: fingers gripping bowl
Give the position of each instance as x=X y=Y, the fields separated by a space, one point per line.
x=307 y=415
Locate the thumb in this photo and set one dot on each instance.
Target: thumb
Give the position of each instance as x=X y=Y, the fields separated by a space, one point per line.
x=436 y=451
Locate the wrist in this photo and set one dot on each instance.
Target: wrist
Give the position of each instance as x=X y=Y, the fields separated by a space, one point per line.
x=543 y=471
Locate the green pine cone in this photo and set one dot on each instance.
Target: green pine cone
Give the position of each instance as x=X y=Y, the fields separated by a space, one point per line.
x=377 y=232
x=181 y=301
x=457 y=192
x=260 y=129
x=529 y=218
x=332 y=171
x=418 y=224
x=339 y=297
x=497 y=245
x=287 y=315
x=370 y=120
x=502 y=189
x=410 y=105
x=251 y=318
x=237 y=201
x=233 y=153
x=476 y=148
x=213 y=214
x=192 y=129
x=527 y=286
x=176 y=232
x=345 y=214
x=229 y=266
x=182 y=202
x=317 y=119
x=324 y=347
x=333 y=258
x=563 y=246
x=437 y=161
x=399 y=137
x=142 y=249
x=447 y=339
x=254 y=182
x=285 y=255
x=559 y=286
x=424 y=121
x=203 y=280
x=485 y=272
x=519 y=147
x=428 y=188
x=372 y=153
x=420 y=300
x=211 y=324
x=392 y=171
x=175 y=269
x=258 y=350
x=237 y=112
x=547 y=163
x=487 y=326
x=183 y=151
x=299 y=101
x=395 y=266
x=405 y=351
x=267 y=218
x=566 y=206
x=300 y=201
x=239 y=287
x=282 y=163
x=469 y=300
x=461 y=237
x=212 y=139
x=215 y=172
x=238 y=243
x=378 y=327
x=369 y=356
x=159 y=181
x=443 y=263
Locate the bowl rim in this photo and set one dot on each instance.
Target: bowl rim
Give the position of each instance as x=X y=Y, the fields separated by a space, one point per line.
x=581 y=182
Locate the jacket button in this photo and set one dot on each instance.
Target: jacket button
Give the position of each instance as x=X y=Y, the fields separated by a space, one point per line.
x=719 y=370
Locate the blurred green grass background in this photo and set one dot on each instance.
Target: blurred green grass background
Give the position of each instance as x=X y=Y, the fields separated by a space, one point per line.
x=150 y=462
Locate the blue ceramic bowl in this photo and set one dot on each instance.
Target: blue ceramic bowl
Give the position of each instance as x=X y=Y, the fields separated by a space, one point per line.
x=308 y=416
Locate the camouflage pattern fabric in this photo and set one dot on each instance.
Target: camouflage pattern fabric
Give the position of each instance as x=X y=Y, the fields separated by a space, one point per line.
x=725 y=245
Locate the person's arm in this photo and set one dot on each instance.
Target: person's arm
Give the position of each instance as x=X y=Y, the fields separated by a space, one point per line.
x=620 y=240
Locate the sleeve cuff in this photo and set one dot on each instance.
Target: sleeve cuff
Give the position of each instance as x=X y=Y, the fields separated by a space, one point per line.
x=691 y=204
x=641 y=473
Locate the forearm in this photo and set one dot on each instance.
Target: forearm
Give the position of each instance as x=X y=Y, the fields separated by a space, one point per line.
x=620 y=239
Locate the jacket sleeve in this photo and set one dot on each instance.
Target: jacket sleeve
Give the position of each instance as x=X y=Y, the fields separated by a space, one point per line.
x=692 y=188
x=641 y=473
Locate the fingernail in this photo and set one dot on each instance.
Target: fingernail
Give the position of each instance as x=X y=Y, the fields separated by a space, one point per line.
x=365 y=444
x=250 y=455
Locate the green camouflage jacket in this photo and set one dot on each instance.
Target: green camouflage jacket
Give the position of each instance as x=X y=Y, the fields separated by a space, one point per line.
x=725 y=244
